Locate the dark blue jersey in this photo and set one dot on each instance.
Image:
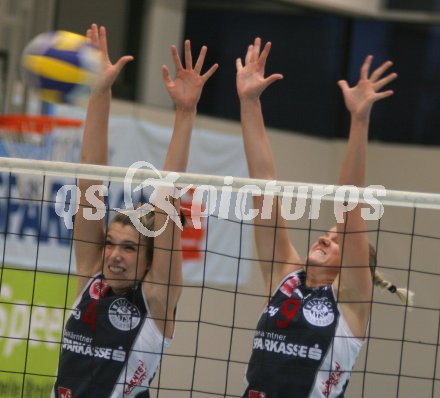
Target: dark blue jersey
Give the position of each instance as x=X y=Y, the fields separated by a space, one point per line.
x=111 y=347
x=302 y=346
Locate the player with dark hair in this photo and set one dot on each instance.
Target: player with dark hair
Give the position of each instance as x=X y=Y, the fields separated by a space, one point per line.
x=129 y=284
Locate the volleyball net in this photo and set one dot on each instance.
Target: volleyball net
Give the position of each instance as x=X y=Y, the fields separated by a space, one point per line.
x=223 y=291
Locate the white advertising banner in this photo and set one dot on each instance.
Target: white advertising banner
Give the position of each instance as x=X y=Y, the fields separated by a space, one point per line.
x=32 y=234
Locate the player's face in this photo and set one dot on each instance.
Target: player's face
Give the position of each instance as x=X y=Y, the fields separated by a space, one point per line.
x=125 y=259
x=326 y=250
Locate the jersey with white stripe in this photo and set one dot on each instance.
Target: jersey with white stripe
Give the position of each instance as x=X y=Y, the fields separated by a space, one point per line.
x=303 y=346
x=111 y=348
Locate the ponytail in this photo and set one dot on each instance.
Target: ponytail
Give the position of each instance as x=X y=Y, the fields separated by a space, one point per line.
x=405 y=296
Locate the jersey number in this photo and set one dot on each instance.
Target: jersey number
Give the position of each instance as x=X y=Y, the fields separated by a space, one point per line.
x=289 y=310
x=90 y=315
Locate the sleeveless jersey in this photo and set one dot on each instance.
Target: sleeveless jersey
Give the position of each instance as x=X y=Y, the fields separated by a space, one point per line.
x=302 y=347
x=111 y=348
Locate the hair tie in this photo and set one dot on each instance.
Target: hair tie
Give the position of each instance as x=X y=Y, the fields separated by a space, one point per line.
x=392 y=289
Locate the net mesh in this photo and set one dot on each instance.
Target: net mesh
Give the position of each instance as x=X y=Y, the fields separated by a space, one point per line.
x=216 y=318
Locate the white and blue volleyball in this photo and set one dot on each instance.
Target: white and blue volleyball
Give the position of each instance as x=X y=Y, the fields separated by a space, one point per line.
x=61 y=66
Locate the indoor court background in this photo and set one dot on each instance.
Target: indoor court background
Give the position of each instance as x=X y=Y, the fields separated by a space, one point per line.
x=216 y=321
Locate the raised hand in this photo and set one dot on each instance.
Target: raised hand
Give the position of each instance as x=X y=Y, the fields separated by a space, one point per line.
x=250 y=77
x=109 y=72
x=360 y=98
x=186 y=88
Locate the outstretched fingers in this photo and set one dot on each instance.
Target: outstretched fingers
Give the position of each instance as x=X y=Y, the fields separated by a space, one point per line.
x=249 y=53
x=380 y=71
x=176 y=59
x=375 y=79
x=383 y=82
x=109 y=72
x=103 y=42
x=379 y=82
x=98 y=38
x=272 y=79
x=365 y=69
x=238 y=64
x=166 y=75
x=343 y=85
x=255 y=54
x=200 y=60
x=209 y=73
x=119 y=65
x=188 y=55
x=188 y=63
x=90 y=36
x=265 y=53
x=383 y=94
x=256 y=50
x=93 y=35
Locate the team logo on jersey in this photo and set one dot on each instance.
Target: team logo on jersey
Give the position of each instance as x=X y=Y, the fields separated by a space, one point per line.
x=98 y=289
x=290 y=285
x=123 y=315
x=319 y=312
x=64 y=392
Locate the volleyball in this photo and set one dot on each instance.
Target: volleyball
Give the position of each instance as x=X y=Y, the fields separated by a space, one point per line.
x=61 y=66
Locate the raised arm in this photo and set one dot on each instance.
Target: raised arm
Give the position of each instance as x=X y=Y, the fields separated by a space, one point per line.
x=276 y=253
x=185 y=91
x=89 y=234
x=165 y=275
x=355 y=282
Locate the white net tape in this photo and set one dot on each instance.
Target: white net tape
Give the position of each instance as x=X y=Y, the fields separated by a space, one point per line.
x=119 y=174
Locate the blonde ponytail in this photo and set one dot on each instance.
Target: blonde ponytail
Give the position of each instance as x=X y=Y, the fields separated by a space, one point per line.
x=405 y=296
